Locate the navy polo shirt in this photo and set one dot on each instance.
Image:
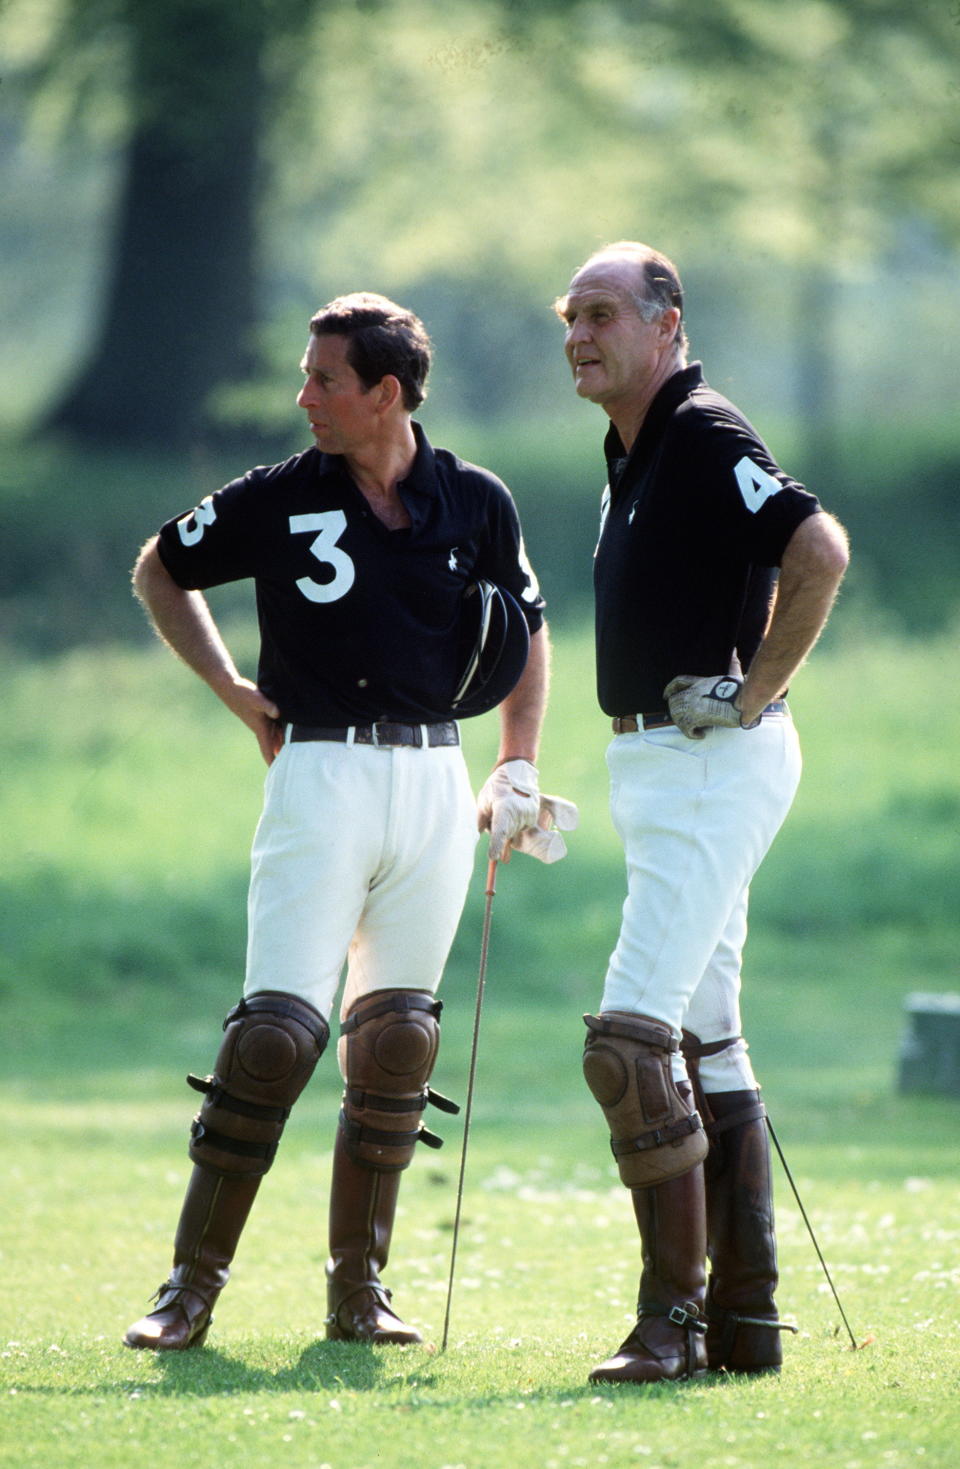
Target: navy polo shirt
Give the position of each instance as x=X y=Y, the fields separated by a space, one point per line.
x=357 y=622
x=694 y=522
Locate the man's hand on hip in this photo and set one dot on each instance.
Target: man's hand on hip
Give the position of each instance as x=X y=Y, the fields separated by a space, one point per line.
x=257 y=712
x=697 y=704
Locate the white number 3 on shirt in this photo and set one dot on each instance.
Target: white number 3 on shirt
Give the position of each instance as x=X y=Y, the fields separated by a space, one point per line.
x=331 y=524
x=203 y=516
x=756 y=486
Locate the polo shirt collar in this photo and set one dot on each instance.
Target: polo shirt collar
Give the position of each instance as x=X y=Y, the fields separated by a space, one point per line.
x=670 y=396
x=423 y=473
x=421 y=479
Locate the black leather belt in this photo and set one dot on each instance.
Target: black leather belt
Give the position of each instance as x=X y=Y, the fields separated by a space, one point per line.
x=385 y=734
x=660 y=718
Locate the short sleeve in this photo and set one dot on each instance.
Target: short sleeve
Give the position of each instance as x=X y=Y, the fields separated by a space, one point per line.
x=216 y=541
x=503 y=557
x=752 y=505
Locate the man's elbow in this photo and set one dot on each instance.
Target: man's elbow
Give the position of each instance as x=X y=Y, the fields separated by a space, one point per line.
x=541 y=638
x=819 y=547
x=145 y=569
x=835 y=549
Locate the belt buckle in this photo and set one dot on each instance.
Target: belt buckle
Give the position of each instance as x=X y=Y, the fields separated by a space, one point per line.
x=386 y=743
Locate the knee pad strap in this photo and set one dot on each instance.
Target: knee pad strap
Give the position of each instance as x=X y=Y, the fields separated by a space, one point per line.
x=654 y=1135
x=388 y=1046
x=272 y=1042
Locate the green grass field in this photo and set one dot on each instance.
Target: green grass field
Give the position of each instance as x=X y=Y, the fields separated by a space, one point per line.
x=127 y=807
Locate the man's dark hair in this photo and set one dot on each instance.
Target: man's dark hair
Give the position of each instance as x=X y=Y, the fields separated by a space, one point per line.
x=382 y=338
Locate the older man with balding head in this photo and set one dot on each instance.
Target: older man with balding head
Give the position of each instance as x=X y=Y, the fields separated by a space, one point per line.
x=714 y=575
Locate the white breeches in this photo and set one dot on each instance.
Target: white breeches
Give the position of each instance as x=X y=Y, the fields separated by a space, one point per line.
x=696 y=818
x=362 y=856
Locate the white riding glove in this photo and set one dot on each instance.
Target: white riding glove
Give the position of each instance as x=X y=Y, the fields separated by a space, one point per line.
x=697 y=704
x=508 y=802
x=544 y=841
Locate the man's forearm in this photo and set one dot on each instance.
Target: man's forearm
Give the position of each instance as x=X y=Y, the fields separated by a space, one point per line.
x=184 y=622
x=522 y=711
x=813 y=567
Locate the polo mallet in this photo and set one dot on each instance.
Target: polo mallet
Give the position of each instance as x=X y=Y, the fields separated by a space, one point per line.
x=490 y=890
x=855 y=1346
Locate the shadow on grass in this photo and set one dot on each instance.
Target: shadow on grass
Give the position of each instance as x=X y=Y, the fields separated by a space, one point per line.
x=353 y=1366
x=406 y=1377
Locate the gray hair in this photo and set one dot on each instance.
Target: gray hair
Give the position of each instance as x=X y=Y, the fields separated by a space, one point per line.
x=661 y=289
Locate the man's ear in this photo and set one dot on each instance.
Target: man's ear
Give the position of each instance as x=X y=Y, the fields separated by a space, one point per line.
x=389 y=391
x=670 y=324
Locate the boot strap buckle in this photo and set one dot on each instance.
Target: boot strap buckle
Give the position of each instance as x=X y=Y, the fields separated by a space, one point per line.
x=690 y=1320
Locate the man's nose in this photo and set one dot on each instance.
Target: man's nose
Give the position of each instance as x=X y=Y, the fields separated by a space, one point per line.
x=577 y=332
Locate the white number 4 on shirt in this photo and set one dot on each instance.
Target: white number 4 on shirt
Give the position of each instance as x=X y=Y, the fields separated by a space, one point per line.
x=756 y=486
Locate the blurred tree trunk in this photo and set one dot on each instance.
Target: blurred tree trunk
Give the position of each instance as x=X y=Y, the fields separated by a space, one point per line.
x=180 y=304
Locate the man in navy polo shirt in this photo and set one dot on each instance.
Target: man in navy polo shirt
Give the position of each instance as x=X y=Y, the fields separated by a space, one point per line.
x=393 y=594
x=715 y=573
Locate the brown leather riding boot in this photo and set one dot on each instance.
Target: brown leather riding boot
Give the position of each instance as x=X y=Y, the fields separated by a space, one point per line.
x=667 y=1343
x=743 y=1329
x=271 y=1043
x=363 y=1202
x=214 y=1212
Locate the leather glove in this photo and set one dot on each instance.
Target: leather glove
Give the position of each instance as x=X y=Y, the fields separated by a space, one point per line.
x=698 y=704
x=544 y=841
x=508 y=801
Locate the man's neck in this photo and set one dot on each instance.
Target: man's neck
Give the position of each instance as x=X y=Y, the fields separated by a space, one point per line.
x=628 y=417
x=376 y=468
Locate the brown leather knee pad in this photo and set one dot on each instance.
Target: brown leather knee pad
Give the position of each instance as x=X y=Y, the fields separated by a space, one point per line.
x=654 y=1135
x=388 y=1045
x=272 y=1042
